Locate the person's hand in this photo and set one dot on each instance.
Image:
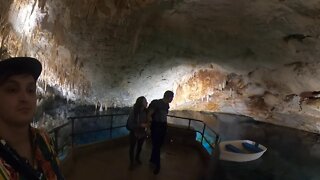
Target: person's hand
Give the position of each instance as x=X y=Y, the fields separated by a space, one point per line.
x=144 y=125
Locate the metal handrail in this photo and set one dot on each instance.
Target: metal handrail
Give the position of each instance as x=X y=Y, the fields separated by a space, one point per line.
x=59 y=127
x=217 y=139
x=100 y=115
x=191 y=119
x=97 y=130
x=55 y=131
x=72 y=119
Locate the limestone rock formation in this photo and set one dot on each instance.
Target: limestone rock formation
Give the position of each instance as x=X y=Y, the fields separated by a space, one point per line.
x=257 y=58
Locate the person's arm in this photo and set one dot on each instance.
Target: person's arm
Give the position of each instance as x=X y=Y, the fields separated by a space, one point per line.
x=149 y=114
x=149 y=117
x=151 y=110
x=144 y=121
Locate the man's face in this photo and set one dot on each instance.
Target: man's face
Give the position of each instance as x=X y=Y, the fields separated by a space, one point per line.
x=169 y=99
x=18 y=100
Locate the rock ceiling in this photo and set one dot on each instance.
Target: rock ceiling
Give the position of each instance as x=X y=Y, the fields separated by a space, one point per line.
x=253 y=57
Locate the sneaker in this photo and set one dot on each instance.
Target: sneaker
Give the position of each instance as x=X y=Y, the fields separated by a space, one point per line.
x=131 y=167
x=138 y=161
x=151 y=161
x=156 y=170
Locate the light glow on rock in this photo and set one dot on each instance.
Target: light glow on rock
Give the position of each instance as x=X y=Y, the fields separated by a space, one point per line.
x=24 y=17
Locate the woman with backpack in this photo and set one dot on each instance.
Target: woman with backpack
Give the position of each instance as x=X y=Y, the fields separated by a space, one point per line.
x=137 y=125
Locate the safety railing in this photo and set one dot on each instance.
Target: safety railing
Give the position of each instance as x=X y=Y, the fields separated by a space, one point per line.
x=91 y=129
x=87 y=129
x=61 y=136
x=205 y=135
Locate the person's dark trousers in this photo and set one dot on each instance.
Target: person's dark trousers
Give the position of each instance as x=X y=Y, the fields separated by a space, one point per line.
x=133 y=141
x=158 y=133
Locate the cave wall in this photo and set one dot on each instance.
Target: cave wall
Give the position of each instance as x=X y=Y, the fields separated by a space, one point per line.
x=257 y=58
x=277 y=96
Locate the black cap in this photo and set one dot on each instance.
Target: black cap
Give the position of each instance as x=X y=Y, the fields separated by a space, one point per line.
x=20 y=65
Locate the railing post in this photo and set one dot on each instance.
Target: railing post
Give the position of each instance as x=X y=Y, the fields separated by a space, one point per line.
x=72 y=132
x=111 y=124
x=189 y=123
x=204 y=128
x=56 y=141
x=217 y=140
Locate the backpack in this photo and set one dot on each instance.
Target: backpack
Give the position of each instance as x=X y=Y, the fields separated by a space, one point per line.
x=130 y=122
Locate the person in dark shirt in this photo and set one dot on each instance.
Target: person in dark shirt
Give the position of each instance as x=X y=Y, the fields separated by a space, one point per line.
x=157 y=114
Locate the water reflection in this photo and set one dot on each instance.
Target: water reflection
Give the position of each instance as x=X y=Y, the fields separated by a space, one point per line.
x=292 y=154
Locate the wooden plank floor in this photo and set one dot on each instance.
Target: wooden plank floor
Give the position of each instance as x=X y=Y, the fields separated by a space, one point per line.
x=177 y=162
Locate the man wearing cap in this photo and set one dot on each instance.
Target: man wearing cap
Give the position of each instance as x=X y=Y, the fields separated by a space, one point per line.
x=157 y=114
x=25 y=152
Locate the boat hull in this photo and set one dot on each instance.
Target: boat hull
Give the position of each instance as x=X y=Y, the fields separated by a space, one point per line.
x=239 y=157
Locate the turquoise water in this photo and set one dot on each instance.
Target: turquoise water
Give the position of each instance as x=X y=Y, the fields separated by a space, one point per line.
x=205 y=143
x=95 y=137
x=291 y=154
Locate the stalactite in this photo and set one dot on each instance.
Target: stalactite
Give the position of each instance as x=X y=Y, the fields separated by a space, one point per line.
x=135 y=43
x=100 y=109
x=45 y=86
x=41 y=4
x=33 y=6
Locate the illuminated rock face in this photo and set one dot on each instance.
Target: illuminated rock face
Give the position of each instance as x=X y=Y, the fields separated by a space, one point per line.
x=257 y=58
x=270 y=95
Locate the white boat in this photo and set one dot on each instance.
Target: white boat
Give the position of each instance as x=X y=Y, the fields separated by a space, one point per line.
x=240 y=150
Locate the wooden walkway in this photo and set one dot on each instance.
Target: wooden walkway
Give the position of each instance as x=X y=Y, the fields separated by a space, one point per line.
x=177 y=162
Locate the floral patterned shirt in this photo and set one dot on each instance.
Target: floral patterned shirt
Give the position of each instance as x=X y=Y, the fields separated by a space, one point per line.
x=45 y=159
